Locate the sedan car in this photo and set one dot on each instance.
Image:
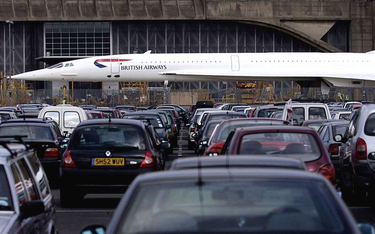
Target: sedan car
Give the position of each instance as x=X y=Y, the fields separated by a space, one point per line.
x=302 y=143
x=231 y=201
x=104 y=156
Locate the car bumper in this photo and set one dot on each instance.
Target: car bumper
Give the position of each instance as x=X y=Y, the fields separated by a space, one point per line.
x=99 y=180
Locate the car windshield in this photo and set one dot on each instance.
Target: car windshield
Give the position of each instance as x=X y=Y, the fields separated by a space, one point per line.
x=154 y=120
x=31 y=132
x=224 y=116
x=302 y=146
x=249 y=206
x=227 y=127
x=109 y=136
x=5 y=194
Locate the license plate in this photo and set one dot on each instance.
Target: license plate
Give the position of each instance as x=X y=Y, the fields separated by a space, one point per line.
x=108 y=161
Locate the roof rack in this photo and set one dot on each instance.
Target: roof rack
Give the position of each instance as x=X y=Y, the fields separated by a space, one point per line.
x=18 y=139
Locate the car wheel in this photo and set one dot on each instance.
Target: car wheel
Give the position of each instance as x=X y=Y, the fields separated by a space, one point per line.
x=69 y=197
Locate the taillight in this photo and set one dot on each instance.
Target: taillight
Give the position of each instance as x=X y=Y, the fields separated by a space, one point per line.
x=360 y=149
x=148 y=161
x=334 y=149
x=328 y=171
x=192 y=129
x=174 y=129
x=67 y=160
x=51 y=152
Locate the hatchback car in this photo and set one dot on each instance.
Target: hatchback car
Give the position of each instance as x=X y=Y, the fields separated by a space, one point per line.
x=302 y=143
x=220 y=134
x=44 y=136
x=231 y=201
x=26 y=202
x=357 y=157
x=105 y=155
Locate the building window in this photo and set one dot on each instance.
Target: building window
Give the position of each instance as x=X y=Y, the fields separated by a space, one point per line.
x=77 y=39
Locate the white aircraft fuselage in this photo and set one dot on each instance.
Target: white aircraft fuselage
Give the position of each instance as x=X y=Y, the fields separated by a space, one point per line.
x=337 y=69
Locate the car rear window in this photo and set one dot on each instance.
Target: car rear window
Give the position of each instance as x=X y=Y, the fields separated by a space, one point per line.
x=103 y=136
x=31 y=132
x=267 y=112
x=5 y=194
x=249 y=206
x=339 y=129
x=226 y=128
x=154 y=120
x=370 y=125
x=302 y=146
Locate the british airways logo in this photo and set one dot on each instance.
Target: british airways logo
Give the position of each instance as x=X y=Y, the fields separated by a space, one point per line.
x=99 y=62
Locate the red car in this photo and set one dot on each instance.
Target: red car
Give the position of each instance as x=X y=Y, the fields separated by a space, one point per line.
x=220 y=134
x=302 y=143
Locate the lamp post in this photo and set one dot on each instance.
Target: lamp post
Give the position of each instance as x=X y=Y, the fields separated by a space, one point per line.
x=9 y=22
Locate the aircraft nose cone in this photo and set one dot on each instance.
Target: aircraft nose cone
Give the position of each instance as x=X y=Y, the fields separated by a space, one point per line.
x=24 y=76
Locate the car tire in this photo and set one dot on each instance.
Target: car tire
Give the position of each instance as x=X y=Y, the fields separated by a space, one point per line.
x=69 y=197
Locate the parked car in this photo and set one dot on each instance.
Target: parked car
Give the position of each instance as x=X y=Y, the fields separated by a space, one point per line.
x=26 y=202
x=44 y=136
x=6 y=115
x=112 y=113
x=308 y=111
x=345 y=115
x=231 y=201
x=181 y=111
x=96 y=115
x=105 y=155
x=357 y=158
x=157 y=122
x=66 y=116
x=302 y=143
x=87 y=107
x=202 y=137
x=127 y=108
x=327 y=133
x=265 y=111
x=317 y=123
x=221 y=132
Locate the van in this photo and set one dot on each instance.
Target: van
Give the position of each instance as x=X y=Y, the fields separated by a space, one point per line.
x=66 y=116
x=308 y=111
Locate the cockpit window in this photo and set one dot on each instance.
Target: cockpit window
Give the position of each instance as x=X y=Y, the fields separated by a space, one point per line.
x=71 y=65
x=59 y=65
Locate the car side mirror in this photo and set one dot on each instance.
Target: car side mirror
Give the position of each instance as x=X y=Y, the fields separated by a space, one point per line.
x=165 y=145
x=366 y=228
x=31 y=208
x=93 y=229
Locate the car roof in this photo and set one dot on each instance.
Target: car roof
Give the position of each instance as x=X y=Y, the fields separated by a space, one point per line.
x=281 y=128
x=255 y=119
x=28 y=120
x=136 y=113
x=340 y=122
x=237 y=161
x=110 y=121
x=214 y=174
x=306 y=122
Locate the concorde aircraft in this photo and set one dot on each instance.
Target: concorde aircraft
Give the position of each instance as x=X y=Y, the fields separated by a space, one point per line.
x=308 y=69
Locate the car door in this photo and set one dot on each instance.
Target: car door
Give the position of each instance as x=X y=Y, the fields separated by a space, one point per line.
x=24 y=225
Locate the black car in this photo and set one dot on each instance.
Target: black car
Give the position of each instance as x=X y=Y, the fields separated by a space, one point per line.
x=204 y=136
x=104 y=156
x=44 y=136
x=153 y=119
